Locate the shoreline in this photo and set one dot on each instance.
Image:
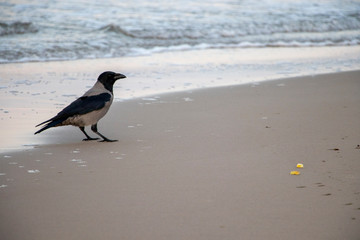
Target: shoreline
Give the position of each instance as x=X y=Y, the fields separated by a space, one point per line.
x=204 y=164
x=33 y=92
x=185 y=50
x=148 y=99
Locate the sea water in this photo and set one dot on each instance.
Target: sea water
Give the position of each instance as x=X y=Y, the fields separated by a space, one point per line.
x=67 y=30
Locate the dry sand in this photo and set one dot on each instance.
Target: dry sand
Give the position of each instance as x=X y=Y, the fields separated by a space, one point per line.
x=207 y=164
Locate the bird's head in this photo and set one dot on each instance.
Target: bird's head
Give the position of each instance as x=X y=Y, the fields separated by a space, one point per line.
x=108 y=79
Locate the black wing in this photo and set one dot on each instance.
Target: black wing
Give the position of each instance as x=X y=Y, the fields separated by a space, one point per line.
x=80 y=106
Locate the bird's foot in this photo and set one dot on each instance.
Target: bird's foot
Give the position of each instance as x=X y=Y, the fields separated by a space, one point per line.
x=108 y=140
x=90 y=139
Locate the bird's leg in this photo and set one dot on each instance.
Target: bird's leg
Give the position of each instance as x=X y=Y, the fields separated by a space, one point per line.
x=88 y=138
x=105 y=139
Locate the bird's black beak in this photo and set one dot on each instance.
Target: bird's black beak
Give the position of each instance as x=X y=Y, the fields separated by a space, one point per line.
x=119 y=76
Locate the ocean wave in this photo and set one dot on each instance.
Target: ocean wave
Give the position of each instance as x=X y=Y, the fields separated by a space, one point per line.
x=116 y=29
x=17 y=28
x=276 y=44
x=272 y=24
x=30 y=32
x=91 y=52
x=149 y=34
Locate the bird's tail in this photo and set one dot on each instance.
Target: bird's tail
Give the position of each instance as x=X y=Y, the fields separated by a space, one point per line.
x=52 y=123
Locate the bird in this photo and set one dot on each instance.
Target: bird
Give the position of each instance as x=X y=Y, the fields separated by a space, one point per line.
x=89 y=108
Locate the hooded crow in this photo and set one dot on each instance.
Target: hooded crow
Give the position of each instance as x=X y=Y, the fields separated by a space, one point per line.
x=88 y=109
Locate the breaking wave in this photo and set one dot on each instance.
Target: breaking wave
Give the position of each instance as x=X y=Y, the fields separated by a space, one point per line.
x=17 y=28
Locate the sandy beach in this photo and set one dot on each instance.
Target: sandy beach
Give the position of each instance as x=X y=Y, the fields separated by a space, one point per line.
x=237 y=120
x=199 y=164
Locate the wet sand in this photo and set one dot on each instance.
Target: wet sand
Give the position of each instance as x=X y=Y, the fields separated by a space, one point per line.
x=199 y=164
x=33 y=92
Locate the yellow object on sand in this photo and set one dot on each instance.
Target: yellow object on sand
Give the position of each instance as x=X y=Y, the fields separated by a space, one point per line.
x=300 y=165
x=294 y=173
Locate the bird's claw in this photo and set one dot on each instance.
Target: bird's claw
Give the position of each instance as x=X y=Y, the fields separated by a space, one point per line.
x=90 y=139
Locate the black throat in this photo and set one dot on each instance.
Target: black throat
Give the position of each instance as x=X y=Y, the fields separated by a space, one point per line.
x=108 y=85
